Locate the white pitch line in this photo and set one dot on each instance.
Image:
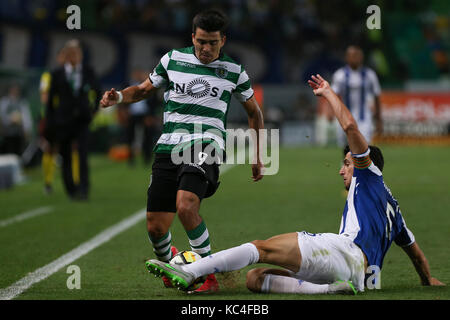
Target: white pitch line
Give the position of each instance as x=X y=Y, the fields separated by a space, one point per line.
x=46 y=271
x=26 y=215
x=42 y=273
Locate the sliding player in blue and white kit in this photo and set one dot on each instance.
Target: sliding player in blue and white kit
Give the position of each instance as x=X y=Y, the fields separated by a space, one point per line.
x=324 y=262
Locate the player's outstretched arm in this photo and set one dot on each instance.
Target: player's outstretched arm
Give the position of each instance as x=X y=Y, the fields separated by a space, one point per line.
x=420 y=262
x=129 y=95
x=355 y=139
x=256 y=122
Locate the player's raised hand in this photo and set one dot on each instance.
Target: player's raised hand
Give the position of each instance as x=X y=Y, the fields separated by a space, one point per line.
x=109 y=98
x=319 y=85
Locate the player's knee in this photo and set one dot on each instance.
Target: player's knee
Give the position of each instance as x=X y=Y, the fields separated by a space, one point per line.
x=263 y=249
x=155 y=227
x=187 y=206
x=255 y=279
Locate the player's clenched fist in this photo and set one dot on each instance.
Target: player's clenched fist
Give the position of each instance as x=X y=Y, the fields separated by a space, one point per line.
x=109 y=98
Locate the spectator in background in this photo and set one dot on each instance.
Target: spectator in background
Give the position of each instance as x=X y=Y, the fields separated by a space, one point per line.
x=141 y=115
x=359 y=89
x=15 y=121
x=73 y=98
x=437 y=50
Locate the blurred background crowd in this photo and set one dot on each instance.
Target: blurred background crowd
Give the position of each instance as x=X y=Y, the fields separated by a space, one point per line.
x=295 y=36
x=280 y=43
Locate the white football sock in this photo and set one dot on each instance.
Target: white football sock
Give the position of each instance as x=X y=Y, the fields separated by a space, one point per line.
x=321 y=130
x=227 y=260
x=282 y=284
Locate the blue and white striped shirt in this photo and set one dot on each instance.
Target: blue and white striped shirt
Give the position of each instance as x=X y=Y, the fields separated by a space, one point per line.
x=358 y=88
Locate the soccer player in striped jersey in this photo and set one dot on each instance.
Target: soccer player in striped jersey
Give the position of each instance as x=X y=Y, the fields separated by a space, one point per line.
x=324 y=262
x=199 y=82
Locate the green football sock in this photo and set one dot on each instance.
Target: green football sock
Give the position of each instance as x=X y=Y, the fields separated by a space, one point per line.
x=162 y=246
x=199 y=240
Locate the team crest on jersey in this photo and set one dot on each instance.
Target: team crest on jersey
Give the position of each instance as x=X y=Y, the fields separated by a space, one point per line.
x=221 y=72
x=198 y=88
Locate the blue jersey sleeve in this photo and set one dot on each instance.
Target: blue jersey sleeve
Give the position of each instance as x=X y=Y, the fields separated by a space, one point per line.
x=376 y=216
x=405 y=237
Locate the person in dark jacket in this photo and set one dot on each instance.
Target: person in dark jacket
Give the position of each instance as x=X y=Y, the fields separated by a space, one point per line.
x=73 y=99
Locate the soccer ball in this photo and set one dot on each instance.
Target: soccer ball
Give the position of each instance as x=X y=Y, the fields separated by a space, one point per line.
x=186 y=257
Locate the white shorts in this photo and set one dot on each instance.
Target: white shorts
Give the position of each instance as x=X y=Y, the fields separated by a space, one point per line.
x=328 y=257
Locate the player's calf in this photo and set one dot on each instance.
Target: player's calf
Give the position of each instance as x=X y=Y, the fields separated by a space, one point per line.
x=255 y=279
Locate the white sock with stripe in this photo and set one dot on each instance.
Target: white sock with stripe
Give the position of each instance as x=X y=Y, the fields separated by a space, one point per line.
x=281 y=284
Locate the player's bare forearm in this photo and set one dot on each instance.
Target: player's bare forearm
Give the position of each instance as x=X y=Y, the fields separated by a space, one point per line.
x=355 y=139
x=255 y=116
x=133 y=94
x=421 y=265
x=129 y=95
x=137 y=93
x=256 y=122
x=255 y=119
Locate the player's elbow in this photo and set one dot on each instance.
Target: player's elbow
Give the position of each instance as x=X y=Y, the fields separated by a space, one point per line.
x=255 y=113
x=350 y=126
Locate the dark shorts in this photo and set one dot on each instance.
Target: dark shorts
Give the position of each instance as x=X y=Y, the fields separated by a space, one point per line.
x=201 y=178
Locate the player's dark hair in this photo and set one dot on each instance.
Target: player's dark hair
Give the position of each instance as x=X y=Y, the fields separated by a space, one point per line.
x=210 y=20
x=375 y=155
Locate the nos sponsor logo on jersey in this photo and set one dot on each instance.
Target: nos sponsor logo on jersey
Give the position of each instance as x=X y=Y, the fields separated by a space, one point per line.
x=197 y=88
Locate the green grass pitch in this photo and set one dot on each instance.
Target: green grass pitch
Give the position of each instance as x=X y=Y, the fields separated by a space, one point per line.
x=306 y=194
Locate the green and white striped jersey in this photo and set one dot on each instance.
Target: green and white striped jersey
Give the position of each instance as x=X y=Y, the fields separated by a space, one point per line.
x=197 y=97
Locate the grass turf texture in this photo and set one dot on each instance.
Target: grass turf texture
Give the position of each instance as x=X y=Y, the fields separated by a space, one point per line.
x=306 y=194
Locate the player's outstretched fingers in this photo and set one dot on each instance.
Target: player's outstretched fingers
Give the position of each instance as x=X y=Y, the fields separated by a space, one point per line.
x=312 y=84
x=316 y=80
x=320 y=77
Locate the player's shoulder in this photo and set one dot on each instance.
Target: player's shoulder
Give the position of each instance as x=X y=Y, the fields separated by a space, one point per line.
x=224 y=63
x=226 y=58
x=184 y=50
x=364 y=165
x=371 y=169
